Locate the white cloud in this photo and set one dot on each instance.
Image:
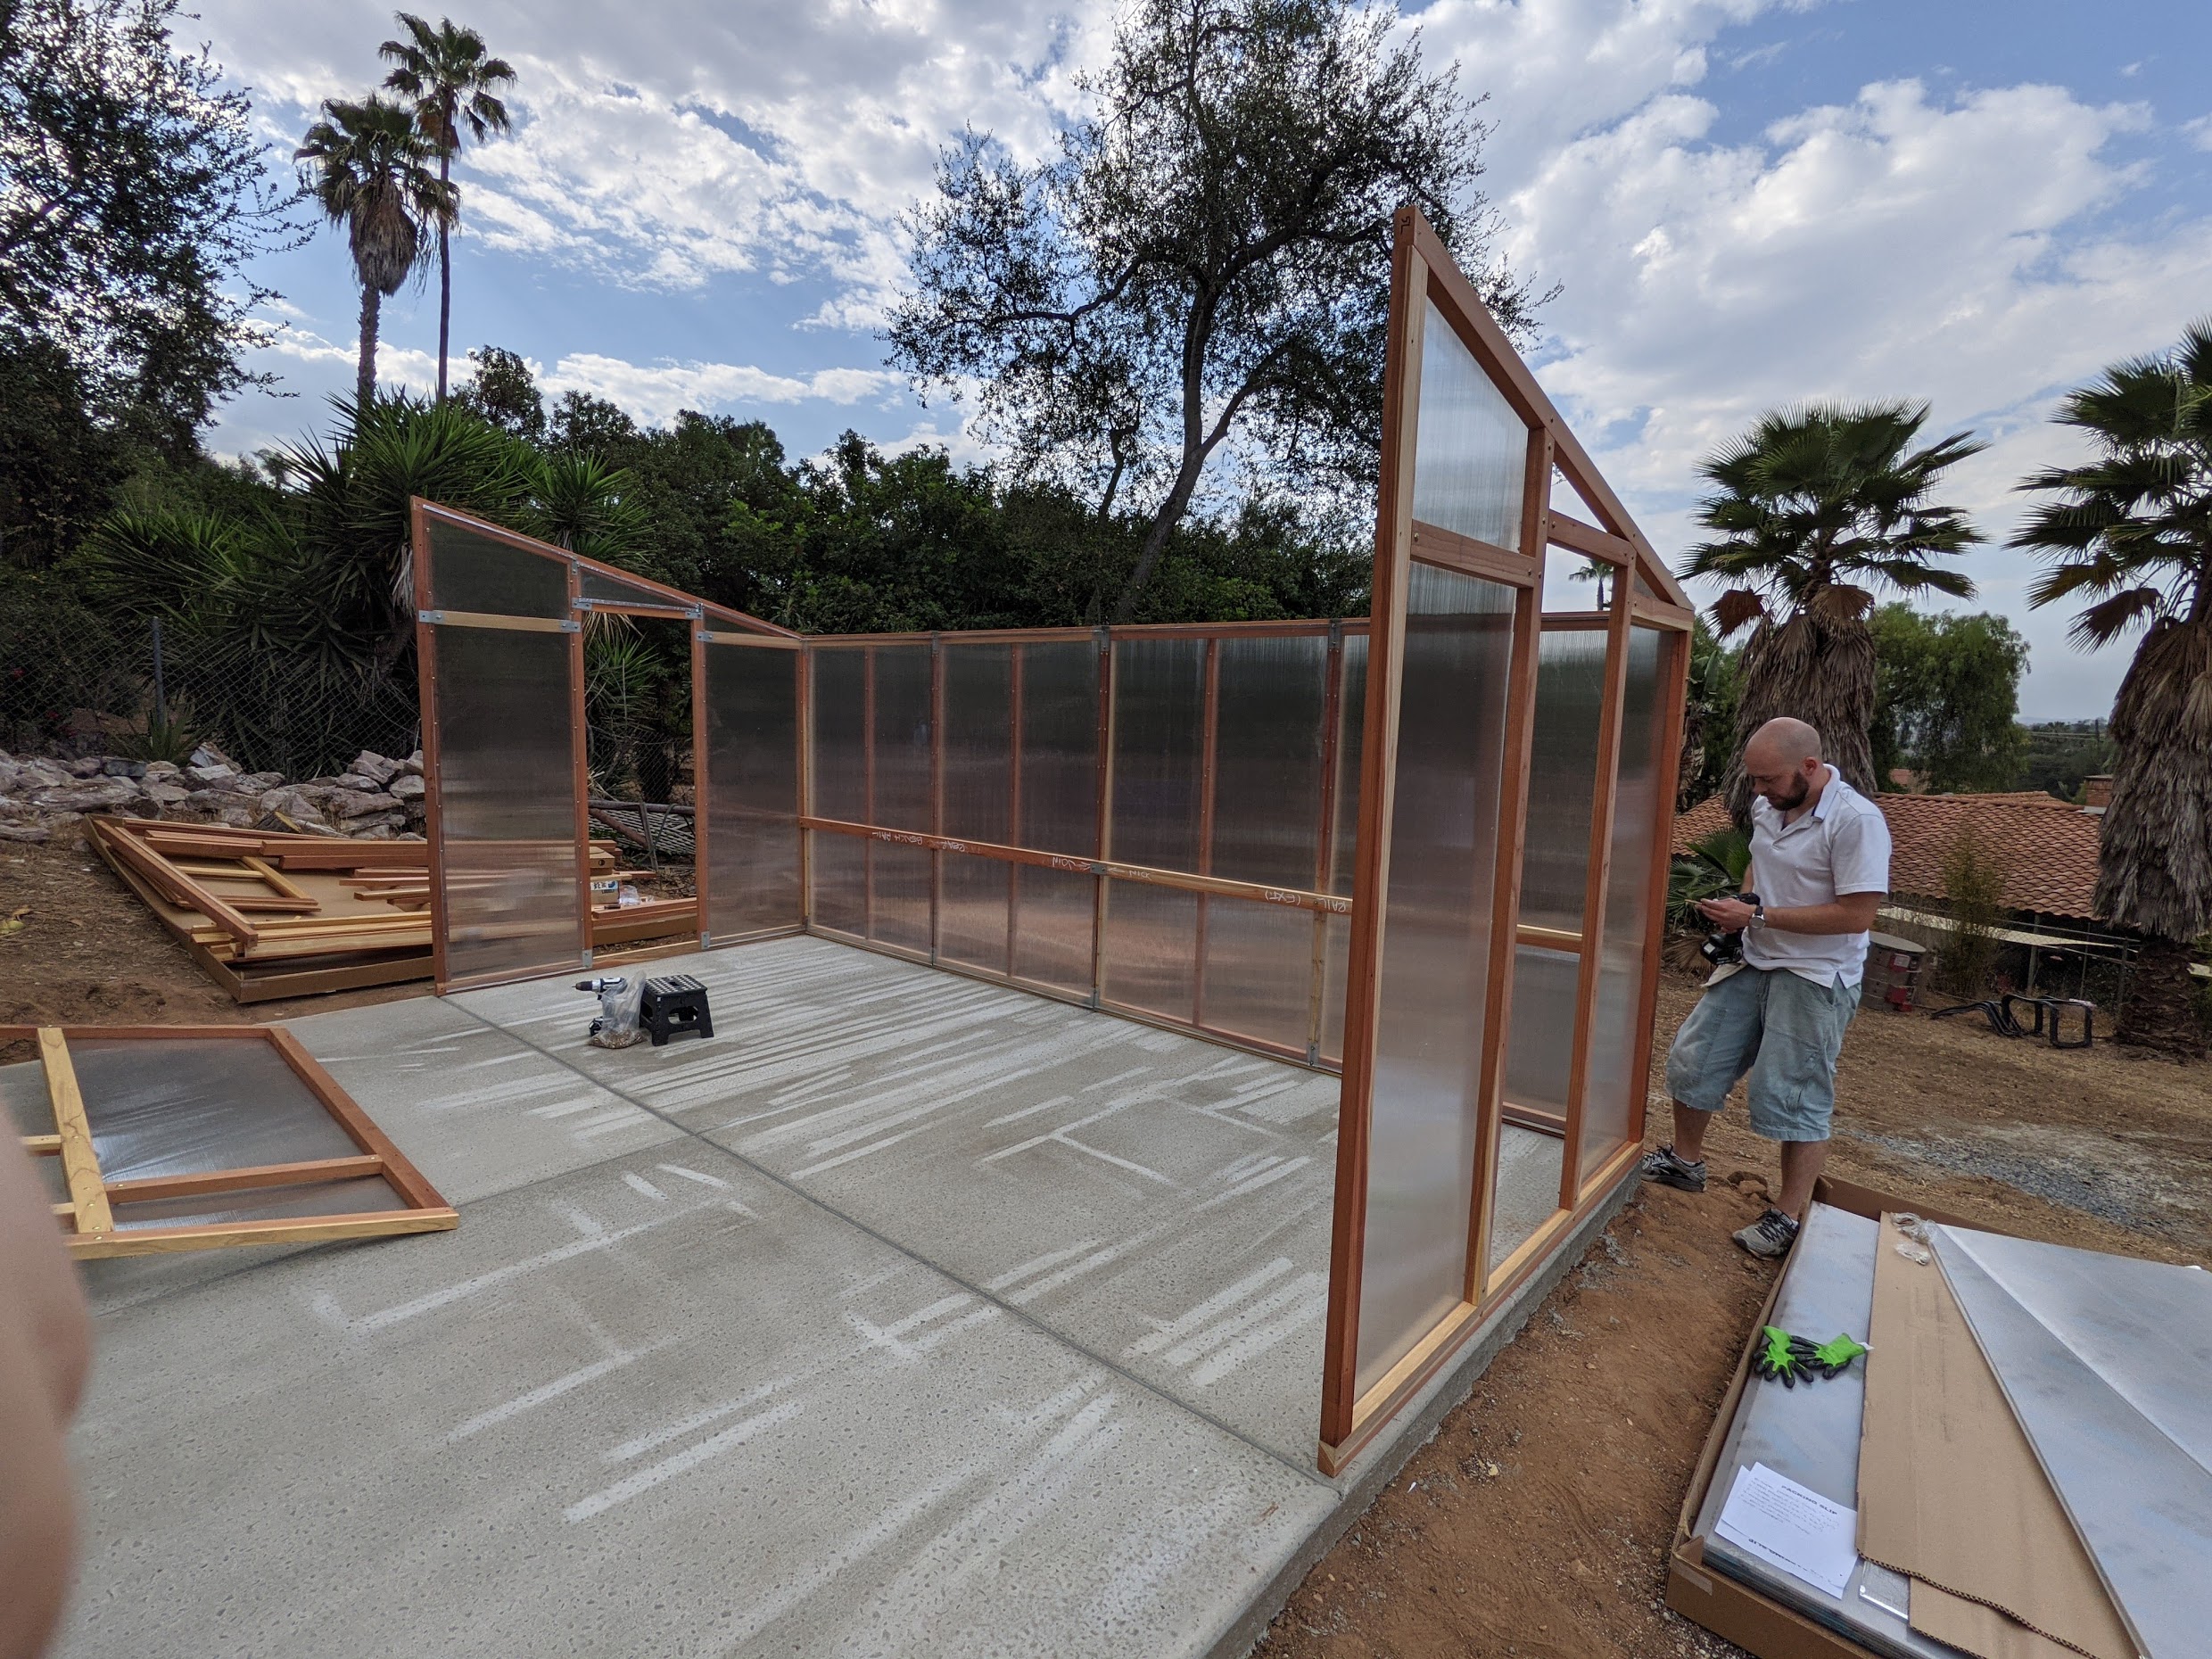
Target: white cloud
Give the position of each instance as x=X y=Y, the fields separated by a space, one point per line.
x=1895 y=246
x=2199 y=131
x=659 y=147
x=656 y=394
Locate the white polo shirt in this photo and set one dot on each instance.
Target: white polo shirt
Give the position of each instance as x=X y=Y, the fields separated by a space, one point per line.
x=1840 y=847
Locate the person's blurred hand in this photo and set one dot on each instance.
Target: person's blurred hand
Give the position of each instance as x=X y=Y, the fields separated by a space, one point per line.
x=45 y=1347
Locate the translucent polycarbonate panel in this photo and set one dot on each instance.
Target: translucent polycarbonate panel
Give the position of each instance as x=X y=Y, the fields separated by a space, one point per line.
x=978 y=744
x=1471 y=452
x=1259 y=971
x=1159 y=751
x=1268 y=755
x=1563 y=778
x=1539 y=1046
x=1058 y=763
x=183 y=1106
x=1336 y=951
x=1640 y=816
x=1426 y=1085
x=971 y=910
x=603 y=590
x=898 y=885
x=1151 y=956
x=1053 y=927
x=903 y=737
x=363 y=1195
x=837 y=714
x=752 y=788
x=469 y=572
x=507 y=801
x=1351 y=720
x=839 y=869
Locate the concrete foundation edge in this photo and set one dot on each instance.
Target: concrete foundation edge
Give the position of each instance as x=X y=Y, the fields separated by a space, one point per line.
x=1418 y=1423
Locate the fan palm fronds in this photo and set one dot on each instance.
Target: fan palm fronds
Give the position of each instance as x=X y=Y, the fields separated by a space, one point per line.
x=1816 y=509
x=2128 y=535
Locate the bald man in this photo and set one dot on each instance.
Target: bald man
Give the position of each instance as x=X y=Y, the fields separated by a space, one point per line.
x=1819 y=866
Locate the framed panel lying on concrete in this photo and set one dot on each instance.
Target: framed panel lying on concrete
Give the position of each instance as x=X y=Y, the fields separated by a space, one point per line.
x=170 y=1138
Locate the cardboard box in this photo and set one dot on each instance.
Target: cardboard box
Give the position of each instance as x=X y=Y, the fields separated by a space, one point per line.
x=1750 y=1619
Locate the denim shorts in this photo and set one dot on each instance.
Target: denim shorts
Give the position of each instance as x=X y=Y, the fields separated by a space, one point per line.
x=1783 y=1030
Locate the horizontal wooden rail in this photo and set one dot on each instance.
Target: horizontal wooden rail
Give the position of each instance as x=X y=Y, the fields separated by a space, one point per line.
x=1295 y=898
x=146 y=1189
x=1578 y=537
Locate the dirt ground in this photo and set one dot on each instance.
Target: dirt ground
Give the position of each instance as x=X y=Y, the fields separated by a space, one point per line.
x=1537 y=1521
x=77 y=948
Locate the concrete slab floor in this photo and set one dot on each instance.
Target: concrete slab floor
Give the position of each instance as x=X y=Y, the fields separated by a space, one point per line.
x=911 y=1314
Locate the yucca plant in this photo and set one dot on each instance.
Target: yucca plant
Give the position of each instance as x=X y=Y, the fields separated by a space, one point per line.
x=1814 y=509
x=2128 y=534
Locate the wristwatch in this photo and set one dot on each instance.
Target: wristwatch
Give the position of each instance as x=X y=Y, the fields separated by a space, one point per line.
x=1758 y=914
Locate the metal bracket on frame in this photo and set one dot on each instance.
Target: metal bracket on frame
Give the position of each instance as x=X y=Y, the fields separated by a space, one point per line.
x=587 y=959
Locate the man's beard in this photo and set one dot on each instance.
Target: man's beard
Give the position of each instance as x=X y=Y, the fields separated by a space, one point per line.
x=1796 y=798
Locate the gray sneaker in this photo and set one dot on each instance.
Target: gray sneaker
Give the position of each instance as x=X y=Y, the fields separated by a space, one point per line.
x=1771 y=1236
x=1663 y=1167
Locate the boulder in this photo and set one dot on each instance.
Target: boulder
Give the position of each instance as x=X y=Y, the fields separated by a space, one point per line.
x=372 y=829
x=37 y=834
x=413 y=763
x=349 y=804
x=260 y=783
x=361 y=783
x=409 y=786
x=163 y=793
x=87 y=766
x=214 y=774
x=46 y=772
x=86 y=795
x=116 y=766
x=378 y=770
x=294 y=805
x=161 y=769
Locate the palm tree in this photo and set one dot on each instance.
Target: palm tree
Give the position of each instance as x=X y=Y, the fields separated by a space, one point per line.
x=450 y=84
x=370 y=172
x=1815 y=507
x=2131 y=531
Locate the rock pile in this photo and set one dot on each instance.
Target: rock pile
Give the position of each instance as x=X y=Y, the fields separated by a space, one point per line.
x=376 y=798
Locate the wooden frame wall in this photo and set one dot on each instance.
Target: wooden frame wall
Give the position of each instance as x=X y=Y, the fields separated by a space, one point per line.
x=1097 y=862
x=88 y=1218
x=656 y=600
x=1423 y=275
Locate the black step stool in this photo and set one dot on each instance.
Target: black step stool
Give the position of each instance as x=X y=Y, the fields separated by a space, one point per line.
x=673 y=1006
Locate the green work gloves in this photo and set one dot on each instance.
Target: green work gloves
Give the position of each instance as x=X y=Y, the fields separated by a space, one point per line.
x=1833 y=1357
x=1790 y=1358
x=1783 y=1356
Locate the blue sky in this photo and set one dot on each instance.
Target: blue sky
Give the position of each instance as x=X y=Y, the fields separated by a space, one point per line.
x=1748 y=202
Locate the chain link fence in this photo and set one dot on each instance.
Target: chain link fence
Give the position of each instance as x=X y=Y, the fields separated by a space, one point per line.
x=75 y=683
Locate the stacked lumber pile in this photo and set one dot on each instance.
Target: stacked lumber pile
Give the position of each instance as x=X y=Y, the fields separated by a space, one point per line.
x=270 y=915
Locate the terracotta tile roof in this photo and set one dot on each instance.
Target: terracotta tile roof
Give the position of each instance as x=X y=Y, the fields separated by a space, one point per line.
x=2048 y=847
